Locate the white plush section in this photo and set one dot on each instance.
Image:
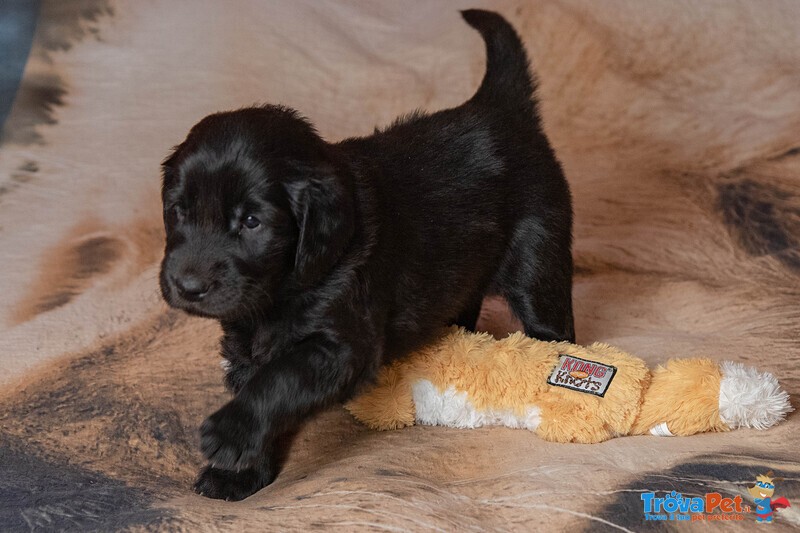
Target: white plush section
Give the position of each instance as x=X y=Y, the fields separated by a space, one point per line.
x=452 y=408
x=661 y=430
x=225 y=365
x=749 y=398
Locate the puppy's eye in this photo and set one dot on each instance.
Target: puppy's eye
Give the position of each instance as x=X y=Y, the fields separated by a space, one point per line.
x=251 y=222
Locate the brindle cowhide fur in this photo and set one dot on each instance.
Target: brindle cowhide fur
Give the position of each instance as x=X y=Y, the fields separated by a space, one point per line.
x=678 y=125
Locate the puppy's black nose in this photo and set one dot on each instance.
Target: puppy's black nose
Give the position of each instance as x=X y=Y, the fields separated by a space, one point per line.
x=191 y=288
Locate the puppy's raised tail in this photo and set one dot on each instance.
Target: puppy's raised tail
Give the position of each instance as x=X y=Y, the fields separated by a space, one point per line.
x=508 y=82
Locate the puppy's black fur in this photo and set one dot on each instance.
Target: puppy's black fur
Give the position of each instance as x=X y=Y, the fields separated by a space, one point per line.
x=324 y=261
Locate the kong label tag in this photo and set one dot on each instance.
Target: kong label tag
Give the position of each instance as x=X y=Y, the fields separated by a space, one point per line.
x=581 y=375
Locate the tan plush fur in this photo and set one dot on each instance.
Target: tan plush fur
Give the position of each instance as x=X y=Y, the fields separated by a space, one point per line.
x=511 y=374
x=684 y=393
x=569 y=416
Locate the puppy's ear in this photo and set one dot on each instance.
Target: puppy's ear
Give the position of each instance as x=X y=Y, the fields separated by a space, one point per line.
x=169 y=171
x=322 y=203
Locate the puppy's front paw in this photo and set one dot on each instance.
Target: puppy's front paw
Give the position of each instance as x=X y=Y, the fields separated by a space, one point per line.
x=231 y=438
x=229 y=485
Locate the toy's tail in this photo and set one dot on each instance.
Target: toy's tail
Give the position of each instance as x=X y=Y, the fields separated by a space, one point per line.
x=749 y=398
x=688 y=396
x=507 y=83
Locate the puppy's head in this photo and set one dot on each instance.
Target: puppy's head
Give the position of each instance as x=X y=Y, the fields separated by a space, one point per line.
x=254 y=205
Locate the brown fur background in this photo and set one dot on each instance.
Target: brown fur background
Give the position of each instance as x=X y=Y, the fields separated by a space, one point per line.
x=678 y=125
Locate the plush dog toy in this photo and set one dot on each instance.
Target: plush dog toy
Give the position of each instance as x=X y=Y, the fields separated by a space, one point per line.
x=564 y=392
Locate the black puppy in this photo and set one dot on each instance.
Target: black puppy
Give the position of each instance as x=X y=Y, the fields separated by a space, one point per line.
x=324 y=261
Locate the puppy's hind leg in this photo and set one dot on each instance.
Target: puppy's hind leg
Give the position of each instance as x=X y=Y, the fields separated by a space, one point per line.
x=536 y=280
